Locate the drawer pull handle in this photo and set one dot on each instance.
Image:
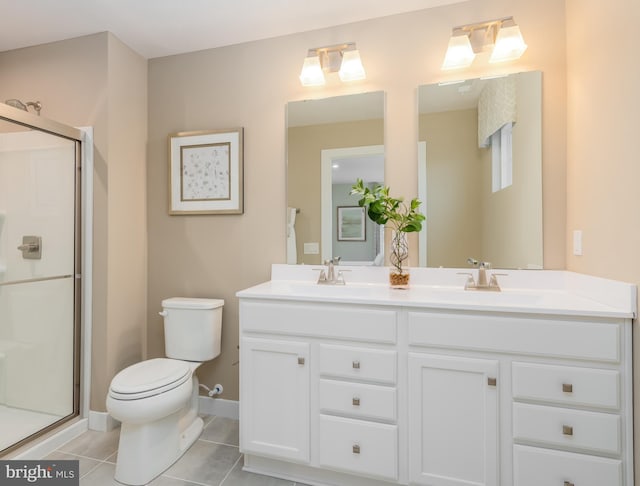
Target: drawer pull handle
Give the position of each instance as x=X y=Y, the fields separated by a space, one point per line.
x=491 y=381
x=300 y=360
x=568 y=483
x=356 y=448
x=567 y=430
x=567 y=388
x=356 y=401
x=356 y=365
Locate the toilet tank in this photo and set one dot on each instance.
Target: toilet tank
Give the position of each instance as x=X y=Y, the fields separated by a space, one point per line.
x=192 y=328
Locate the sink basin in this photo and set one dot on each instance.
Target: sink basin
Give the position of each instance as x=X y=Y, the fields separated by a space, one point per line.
x=480 y=297
x=312 y=289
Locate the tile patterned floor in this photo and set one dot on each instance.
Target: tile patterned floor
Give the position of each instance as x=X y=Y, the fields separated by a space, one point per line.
x=213 y=460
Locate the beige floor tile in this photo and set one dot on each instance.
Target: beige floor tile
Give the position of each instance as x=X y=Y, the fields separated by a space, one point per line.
x=92 y=444
x=238 y=477
x=86 y=465
x=222 y=430
x=101 y=476
x=204 y=463
x=165 y=481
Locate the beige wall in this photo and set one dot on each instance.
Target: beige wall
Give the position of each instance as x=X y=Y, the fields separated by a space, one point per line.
x=453 y=207
x=97 y=81
x=305 y=145
x=603 y=146
x=248 y=85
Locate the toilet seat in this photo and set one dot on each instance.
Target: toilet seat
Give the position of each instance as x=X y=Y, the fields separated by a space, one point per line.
x=149 y=378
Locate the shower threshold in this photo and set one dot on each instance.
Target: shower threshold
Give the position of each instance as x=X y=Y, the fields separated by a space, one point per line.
x=18 y=424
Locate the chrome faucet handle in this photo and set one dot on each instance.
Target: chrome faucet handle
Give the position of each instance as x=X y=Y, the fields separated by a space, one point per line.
x=470 y=282
x=493 y=281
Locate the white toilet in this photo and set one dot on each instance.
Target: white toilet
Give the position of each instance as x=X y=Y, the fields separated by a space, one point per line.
x=157 y=400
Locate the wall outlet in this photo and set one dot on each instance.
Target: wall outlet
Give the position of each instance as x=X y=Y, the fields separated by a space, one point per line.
x=577 y=242
x=311 y=248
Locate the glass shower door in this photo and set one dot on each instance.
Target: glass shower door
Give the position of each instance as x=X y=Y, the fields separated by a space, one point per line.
x=39 y=291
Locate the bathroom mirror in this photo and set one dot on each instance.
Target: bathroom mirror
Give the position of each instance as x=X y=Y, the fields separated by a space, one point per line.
x=330 y=143
x=480 y=171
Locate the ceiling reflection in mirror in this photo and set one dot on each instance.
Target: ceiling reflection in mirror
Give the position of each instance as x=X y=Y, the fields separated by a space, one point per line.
x=480 y=172
x=330 y=143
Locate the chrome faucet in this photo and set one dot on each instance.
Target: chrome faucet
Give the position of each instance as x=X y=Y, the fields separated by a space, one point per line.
x=481 y=283
x=330 y=276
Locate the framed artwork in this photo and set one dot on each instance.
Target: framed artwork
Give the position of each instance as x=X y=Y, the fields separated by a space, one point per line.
x=206 y=172
x=351 y=223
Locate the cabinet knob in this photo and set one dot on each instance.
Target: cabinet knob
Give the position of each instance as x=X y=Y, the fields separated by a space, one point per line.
x=300 y=360
x=492 y=381
x=567 y=387
x=356 y=448
x=356 y=365
x=356 y=401
x=568 y=483
x=567 y=430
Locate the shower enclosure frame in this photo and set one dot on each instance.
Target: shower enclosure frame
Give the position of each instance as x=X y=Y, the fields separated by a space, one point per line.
x=83 y=226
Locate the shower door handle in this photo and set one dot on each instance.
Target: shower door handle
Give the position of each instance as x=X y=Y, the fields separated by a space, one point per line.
x=31 y=247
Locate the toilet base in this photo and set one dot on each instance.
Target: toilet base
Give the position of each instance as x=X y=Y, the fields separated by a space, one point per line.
x=146 y=450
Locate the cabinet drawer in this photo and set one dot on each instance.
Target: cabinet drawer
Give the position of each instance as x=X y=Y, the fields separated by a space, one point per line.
x=366 y=448
x=575 y=429
x=358 y=363
x=568 y=338
x=358 y=399
x=567 y=385
x=323 y=320
x=540 y=467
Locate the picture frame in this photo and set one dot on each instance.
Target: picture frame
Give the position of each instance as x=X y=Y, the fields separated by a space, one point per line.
x=351 y=223
x=206 y=172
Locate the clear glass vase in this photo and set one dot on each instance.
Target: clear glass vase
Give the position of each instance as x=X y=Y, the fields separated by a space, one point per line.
x=399 y=274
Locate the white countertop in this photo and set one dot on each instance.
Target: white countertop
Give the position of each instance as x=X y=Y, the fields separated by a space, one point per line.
x=523 y=291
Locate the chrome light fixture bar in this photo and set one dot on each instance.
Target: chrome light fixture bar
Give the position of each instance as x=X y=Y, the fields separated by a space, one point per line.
x=341 y=58
x=501 y=36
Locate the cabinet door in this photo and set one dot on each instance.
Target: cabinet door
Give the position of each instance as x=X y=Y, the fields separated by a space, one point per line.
x=453 y=421
x=274 y=401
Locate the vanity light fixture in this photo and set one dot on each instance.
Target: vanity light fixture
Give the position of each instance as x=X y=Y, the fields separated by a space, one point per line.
x=502 y=37
x=341 y=58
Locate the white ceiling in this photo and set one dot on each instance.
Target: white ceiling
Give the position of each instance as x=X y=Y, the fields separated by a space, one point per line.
x=156 y=28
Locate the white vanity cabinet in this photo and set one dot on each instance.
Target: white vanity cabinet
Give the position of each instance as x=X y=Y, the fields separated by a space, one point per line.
x=551 y=388
x=319 y=387
x=276 y=404
x=453 y=417
x=393 y=387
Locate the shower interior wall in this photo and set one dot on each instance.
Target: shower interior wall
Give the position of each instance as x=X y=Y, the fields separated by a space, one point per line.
x=36 y=319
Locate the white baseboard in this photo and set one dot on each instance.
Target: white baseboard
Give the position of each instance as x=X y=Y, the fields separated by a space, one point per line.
x=102 y=421
x=50 y=444
x=220 y=407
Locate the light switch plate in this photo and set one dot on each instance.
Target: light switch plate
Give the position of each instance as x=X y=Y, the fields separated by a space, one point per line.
x=311 y=248
x=577 y=242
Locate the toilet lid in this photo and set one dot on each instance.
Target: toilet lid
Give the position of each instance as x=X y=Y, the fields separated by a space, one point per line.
x=149 y=378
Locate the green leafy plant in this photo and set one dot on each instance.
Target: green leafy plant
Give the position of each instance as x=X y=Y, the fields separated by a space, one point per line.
x=392 y=212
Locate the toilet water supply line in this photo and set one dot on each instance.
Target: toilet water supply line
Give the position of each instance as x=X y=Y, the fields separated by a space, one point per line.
x=217 y=390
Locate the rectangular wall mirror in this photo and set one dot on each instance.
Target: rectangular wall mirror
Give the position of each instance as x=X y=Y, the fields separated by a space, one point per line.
x=480 y=172
x=330 y=143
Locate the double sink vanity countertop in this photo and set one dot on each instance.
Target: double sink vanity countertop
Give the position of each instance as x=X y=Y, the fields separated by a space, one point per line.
x=528 y=291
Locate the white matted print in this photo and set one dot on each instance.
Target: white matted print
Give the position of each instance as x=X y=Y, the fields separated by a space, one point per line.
x=351 y=223
x=206 y=172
